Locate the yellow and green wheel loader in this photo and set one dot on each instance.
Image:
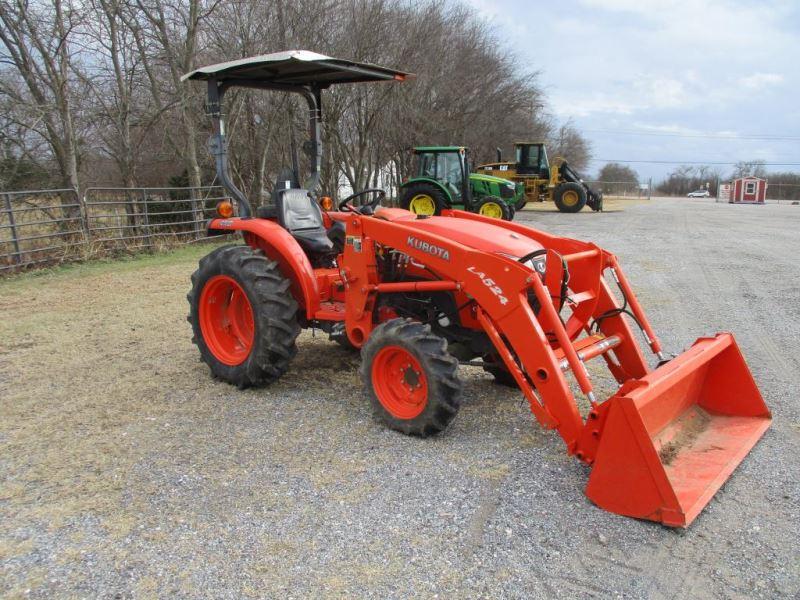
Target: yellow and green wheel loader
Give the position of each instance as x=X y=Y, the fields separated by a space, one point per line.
x=556 y=182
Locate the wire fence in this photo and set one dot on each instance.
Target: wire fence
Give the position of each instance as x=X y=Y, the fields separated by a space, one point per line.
x=783 y=192
x=622 y=189
x=45 y=227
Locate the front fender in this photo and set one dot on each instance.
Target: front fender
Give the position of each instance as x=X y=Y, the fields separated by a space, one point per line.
x=430 y=181
x=279 y=245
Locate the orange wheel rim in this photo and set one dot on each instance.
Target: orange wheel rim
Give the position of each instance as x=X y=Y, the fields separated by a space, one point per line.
x=226 y=320
x=399 y=382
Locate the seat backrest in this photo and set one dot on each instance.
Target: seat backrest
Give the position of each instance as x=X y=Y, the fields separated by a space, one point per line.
x=297 y=211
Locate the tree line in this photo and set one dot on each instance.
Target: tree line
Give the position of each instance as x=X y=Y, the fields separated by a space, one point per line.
x=686 y=178
x=683 y=179
x=90 y=91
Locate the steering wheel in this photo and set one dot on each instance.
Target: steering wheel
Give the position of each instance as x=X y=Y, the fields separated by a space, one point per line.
x=380 y=194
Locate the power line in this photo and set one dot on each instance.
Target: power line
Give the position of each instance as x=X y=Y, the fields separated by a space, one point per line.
x=693 y=162
x=716 y=136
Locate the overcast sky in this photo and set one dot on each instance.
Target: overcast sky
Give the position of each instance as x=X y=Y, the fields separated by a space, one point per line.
x=719 y=70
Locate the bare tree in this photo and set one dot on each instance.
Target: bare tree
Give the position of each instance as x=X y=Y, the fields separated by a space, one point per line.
x=568 y=142
x=36 y=41
x=615 y=178
x=166 y=33
x=139 y=117
x=686 y=178
x=749 y=168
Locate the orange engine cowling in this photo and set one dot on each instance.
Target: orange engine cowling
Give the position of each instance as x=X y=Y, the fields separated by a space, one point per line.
x=668 y=441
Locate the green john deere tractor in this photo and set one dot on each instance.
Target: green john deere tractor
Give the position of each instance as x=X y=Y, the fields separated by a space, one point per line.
x=443 y=180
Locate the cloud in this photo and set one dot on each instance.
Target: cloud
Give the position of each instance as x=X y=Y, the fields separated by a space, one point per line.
x=760 y=80
x=678 y=66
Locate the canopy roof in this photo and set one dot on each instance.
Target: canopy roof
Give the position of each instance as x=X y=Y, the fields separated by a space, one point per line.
x=438 y=148
x=295 y=68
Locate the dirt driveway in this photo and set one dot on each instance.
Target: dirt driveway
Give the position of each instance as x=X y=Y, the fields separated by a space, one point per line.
x=126 y=471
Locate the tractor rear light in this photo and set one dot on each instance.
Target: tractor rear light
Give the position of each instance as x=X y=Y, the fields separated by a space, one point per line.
x=326 y=202
x=225 y=209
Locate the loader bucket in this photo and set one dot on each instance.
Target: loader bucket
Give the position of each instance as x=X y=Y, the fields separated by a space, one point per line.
x=671 y=439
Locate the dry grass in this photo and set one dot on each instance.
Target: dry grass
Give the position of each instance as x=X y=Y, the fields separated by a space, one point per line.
x=94 y=359
x=84 y=355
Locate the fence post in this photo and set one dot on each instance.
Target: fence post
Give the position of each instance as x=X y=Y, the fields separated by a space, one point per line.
x=649 y=188
x=81 y=200
x=146 y=215
x=13 y=223
x=197 y=214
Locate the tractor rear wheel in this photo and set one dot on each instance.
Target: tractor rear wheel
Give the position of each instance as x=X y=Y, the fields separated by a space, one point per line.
x=491 y=206
x=411 y=380
x=570 y=197
x=243 y=316
x=423 y=199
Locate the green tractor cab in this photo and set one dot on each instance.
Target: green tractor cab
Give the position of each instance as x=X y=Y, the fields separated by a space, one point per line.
x=443 y=180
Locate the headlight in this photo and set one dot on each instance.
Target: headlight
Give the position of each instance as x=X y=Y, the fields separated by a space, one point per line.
x=538 y=264
x=511 y=186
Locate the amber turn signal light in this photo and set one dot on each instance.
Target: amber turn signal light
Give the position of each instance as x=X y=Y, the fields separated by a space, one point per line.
x=225 y=209
x=326 y=203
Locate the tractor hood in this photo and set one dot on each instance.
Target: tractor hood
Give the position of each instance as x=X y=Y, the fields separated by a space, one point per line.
x=478 y=235
x=491 y=179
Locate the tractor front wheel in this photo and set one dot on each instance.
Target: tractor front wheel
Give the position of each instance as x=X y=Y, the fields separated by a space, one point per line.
x=411 y=380
x=423 y=199
x=243 y=316
x=490 y=206
x=570 y=197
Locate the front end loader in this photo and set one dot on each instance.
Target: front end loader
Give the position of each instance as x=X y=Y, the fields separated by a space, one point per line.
x=420 y=295
x=544 y=180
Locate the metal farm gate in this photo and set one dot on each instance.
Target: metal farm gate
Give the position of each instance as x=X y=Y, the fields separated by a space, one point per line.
x=40 y=227
x=132 y=218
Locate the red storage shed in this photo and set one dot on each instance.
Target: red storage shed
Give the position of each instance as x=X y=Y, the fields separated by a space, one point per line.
x=751 y=190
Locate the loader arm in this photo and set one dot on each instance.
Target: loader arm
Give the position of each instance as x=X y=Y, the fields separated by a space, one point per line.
x=661 y=446
x=669 y=438
x=498 y=285
x=534 y=348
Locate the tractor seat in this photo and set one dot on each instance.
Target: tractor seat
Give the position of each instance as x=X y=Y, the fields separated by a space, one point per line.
x=302 y=217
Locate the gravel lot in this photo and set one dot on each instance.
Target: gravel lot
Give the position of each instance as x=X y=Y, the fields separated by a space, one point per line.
x=126 y=471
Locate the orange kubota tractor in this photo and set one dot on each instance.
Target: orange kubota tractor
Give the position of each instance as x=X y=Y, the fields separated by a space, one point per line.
x=420 y=294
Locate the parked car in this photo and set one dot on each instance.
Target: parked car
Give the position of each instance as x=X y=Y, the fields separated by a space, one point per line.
x=699 y=194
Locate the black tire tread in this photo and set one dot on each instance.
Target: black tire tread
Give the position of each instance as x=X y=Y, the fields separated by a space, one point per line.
x=274 y=314
x=504 y=206
x=439 y=198
x=441 y=370
x=559 y=194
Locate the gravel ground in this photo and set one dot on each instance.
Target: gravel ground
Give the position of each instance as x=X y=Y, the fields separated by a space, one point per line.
x=126 y=471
